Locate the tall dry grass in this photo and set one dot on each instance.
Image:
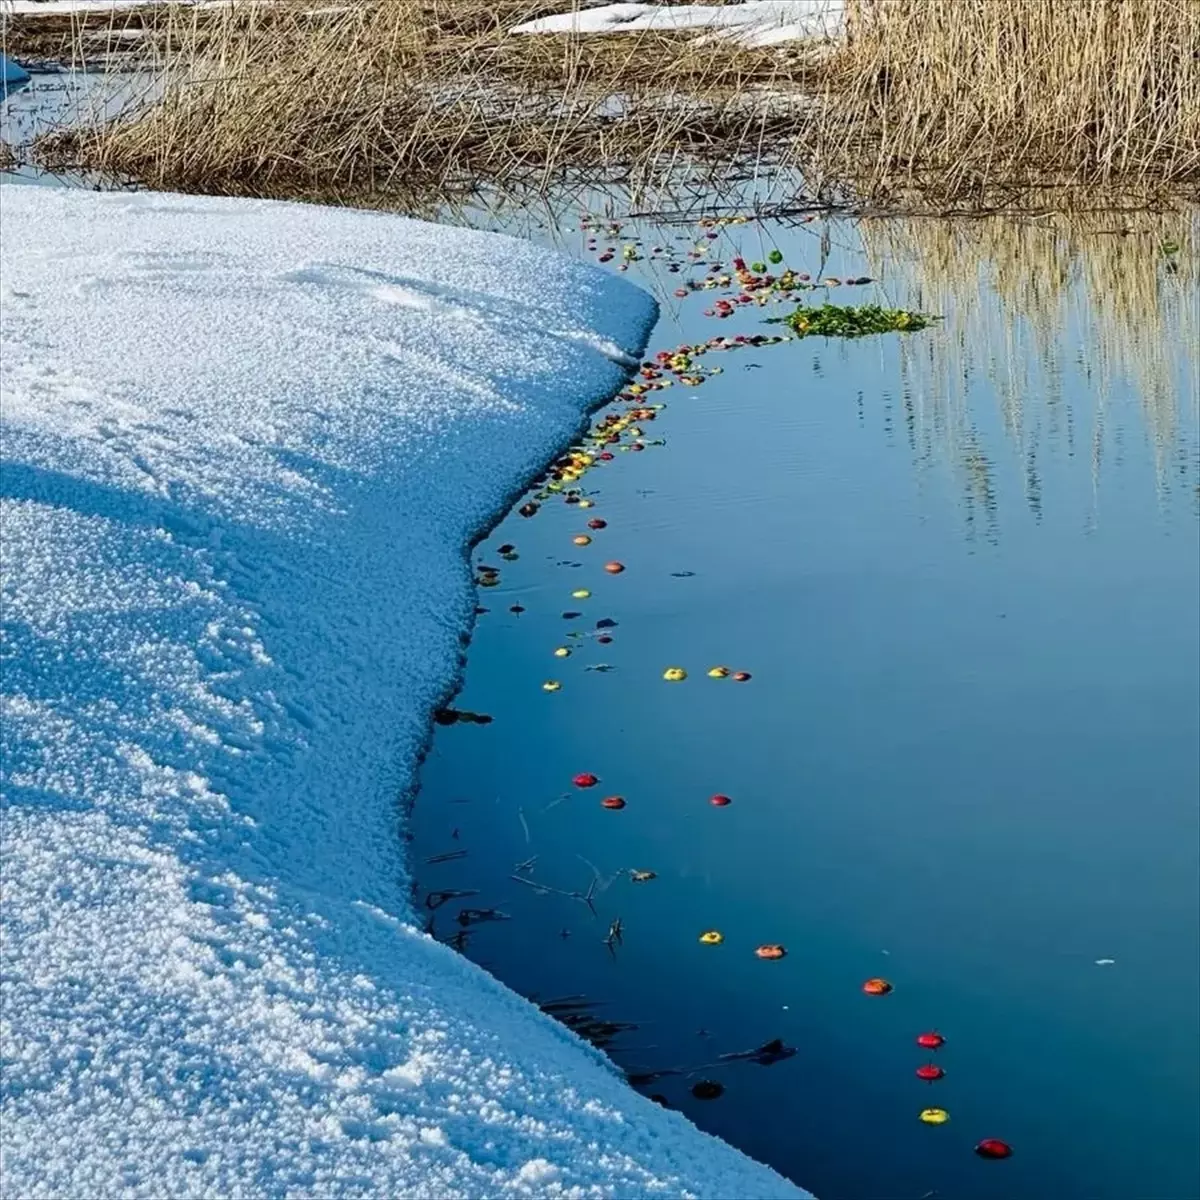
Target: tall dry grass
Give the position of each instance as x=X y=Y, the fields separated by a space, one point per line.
x=411 y=95
x=975 y=102
x=977 y=96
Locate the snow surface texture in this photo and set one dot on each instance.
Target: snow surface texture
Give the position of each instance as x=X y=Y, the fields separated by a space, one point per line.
x=754 y=23
x=245 y=445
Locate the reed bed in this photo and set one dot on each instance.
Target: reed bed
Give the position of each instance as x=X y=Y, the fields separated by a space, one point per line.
x=425 y=95
x=983 y=99
x=972 y=104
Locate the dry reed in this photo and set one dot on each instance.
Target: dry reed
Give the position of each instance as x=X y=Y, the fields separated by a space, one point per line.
x=406 y=95
x=979 y=98
x=972 y=103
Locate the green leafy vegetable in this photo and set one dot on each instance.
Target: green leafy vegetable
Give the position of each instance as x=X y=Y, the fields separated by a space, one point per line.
x=849 y=320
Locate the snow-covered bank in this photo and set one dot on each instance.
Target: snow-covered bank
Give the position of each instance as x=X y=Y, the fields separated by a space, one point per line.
x=753 y=23
x=244 y=447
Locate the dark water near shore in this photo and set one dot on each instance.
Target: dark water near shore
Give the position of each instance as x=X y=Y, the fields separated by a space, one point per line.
x=963 y=568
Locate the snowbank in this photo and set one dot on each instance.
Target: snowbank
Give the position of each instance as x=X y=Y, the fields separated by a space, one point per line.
x=753 y=23
x=244 y=447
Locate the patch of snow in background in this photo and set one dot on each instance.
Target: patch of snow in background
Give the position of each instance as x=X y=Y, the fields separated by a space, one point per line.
x=245 y=446
x=753 y=23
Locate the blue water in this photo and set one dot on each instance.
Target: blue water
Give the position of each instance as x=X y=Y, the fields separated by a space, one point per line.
x=963 y=568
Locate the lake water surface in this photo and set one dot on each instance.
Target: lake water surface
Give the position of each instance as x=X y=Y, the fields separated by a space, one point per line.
x=963 y=568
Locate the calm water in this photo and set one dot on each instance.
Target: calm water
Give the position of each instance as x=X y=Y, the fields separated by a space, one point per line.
x=963 y=569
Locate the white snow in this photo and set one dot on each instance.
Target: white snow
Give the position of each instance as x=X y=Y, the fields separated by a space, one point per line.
x=754 y=23
x=245 y=445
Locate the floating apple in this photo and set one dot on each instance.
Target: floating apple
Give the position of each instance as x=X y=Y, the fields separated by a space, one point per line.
x=993 y=1148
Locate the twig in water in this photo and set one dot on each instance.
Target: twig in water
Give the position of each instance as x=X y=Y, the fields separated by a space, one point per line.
x=556 y=803
x=473 y=916
x=437 y=899
x=599 y=880
x=538 y=886
x=615 y=933
x=448 y=857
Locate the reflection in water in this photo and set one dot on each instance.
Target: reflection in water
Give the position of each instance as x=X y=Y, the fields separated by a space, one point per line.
x=1098 y=305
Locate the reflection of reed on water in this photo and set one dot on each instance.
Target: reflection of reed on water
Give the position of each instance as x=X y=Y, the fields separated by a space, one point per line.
x=1098 y=306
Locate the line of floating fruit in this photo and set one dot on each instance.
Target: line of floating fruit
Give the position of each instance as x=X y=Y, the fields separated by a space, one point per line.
x=744 y=285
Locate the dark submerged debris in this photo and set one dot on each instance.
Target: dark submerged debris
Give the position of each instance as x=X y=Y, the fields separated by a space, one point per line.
x=578 y=1013
x=452 y=716
x=437 y=899
x=641 y=1078
x=476 y=916
x=765 y=1055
